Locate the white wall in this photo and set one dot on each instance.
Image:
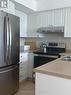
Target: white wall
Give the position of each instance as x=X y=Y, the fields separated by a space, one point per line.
x=23 y=23
x=32 y=4
x=52 y=4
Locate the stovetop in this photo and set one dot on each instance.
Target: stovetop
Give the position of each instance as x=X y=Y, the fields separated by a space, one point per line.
x=50 y=51
x=47 y=53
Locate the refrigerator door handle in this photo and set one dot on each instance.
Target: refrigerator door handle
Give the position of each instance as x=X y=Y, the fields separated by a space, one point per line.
x=1 y=72
x=10 y=37
x=6 y=38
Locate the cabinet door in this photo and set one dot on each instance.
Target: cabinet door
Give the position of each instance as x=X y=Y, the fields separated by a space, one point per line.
x=23 y=71
x=30 y=65
x=23 y=66
x=32 y=22
x=50 y=18
x=67 y=32
x=44 y=19
x=59 y=17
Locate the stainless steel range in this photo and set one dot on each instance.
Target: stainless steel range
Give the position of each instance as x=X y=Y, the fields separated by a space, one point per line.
x=9 y=53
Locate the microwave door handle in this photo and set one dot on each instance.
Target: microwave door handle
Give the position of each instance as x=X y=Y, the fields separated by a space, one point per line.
x=6 y=38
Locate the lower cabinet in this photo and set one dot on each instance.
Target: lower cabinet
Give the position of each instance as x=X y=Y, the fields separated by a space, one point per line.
x=52 y=85
x=26 y=66
x=22 y=72
x=30 y=65
x=23 y=68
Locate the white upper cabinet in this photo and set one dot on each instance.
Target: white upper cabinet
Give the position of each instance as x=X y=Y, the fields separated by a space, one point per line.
x=45 y=19
x=67 y=32
x=52 y=18
x=58 y=17
x=32 y=25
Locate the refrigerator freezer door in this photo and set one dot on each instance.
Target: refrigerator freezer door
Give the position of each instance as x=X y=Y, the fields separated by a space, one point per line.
x=9 y=80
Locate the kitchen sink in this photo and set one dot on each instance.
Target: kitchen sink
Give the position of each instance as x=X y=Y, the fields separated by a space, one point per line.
x=67 y=58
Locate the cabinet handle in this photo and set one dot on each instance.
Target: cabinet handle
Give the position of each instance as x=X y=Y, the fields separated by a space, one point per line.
x=20 y=62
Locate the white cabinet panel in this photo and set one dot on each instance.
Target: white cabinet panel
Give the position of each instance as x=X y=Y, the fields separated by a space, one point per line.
x=23 y=72
x=42 y=20
x=67 y=32
x=51 y=18
x=45 y=19
x=54 y=18
x=30 y=65
x=51 y=85
x=26 y=66
x=59 y=17
x=32 y=25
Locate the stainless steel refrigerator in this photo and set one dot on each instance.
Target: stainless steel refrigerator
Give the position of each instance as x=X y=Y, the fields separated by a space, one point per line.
x=9 y=53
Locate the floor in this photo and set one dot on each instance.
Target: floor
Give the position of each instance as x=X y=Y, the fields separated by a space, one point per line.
x=26 y=88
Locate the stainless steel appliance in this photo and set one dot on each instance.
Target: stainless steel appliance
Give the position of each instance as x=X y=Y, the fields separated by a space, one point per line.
x=51 y=29
x=41 y=58
x=9 y=53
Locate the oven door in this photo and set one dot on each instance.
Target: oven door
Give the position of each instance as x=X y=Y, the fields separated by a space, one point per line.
x=40 y=59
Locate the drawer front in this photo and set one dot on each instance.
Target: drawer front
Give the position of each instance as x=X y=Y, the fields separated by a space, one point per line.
x=22 y=76
x=9 y=80
x=24 y=56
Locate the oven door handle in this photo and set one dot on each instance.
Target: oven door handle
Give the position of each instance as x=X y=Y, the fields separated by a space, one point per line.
x=50 y=56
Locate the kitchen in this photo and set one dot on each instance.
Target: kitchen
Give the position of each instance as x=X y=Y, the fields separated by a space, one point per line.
x=31 y=20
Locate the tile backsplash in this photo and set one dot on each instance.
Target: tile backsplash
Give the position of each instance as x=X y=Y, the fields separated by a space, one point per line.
x=47 y=39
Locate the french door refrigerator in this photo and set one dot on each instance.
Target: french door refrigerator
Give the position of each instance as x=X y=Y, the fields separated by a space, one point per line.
x=9 y=53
